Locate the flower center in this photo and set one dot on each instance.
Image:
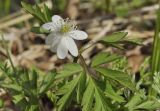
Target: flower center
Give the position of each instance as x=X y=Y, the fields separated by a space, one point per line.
x=67 y=25
x=65 y=28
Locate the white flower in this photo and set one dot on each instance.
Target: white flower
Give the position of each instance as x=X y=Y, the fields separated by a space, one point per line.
x=61 y=37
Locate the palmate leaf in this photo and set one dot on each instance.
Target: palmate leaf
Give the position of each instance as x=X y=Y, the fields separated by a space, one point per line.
x=26 y=87
x=140 y=102
x=88 y=96
x=149 y=105
x=38 y=13
x=68 y=70
x=44 y=15
x=13 y=87
x=68 y=91
x=47 y=13
x=35 y=11
x=47 y=82
x=94 y=93
x=100 y=101
x=103 y=58
x=138 y=98
x=156 y=82
x=118 y=76
x=81 y=87
x=34 y=81
x=18 y=98
x=32 y=107
x=109 y=92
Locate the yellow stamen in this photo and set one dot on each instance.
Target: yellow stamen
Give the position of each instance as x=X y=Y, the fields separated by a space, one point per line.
x=65 y=28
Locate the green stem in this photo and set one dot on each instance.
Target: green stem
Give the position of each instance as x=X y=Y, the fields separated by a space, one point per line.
x=9 y=57
x=7 y=51
x=155 y=63
x=88 y=46
x=85 y=67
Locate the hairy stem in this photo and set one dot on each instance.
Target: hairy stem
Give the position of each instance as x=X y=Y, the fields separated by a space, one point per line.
x=85 y=67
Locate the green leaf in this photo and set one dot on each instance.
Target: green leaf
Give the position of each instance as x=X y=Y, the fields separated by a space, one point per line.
x=149 y=105
x=69 y=70
x=47 y=13
x=88 y=97
x=34 y=82
x=52 y=96
x=109 y=92
x=135 y=100
x=68 y=91
x=32 y=108
x=65 y=100
x=156 y=82
x=133 y=41
x=27 y=7
x=13 y=87
x=24 y=76
x=118 y=46
x=47 y=82
x=81 y=87
x=103 y=58
x=94 y=94
x=1 y=103
x=101 y=101
x=39 y=14
x=121 y=77
x=39 y=30
x=115 y=37
x=35 y=11
x=18 y=98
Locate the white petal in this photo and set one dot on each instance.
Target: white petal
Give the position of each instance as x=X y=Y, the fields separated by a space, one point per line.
x=55 y=44
x=48 y=26
x=78 y=35
x=62 y=50
x=56 y=18
x=53 y=40
x=55 y=25
x=54 y=49
x=72 y=47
